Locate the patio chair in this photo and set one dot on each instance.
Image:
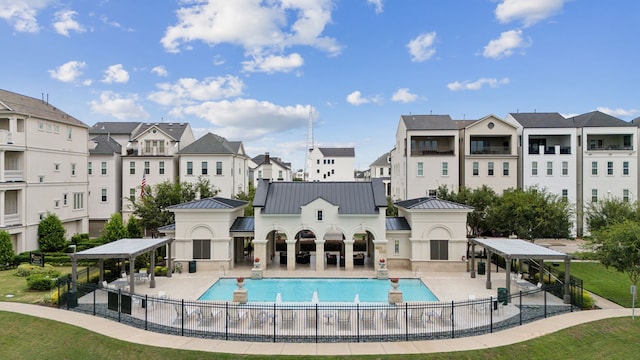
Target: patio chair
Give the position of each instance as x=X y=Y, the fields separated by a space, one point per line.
x=107 y=286
x=446 y=315
x=258 y=317
x=344 y=318
x=367 y=317
x=311 y=317
x=235 y=315
x=288 y=317
x=416 y=316
x=208 y=315
x=390 y=316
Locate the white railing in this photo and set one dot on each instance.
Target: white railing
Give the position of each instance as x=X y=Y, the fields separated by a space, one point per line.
x=13 y=175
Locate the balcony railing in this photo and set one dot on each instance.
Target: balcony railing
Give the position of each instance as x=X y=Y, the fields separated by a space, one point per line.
x=550 y=150
x=13 y=175
x=11 y=219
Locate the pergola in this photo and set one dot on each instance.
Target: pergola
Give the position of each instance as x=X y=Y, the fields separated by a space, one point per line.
x=519 y=249
x=123 y=249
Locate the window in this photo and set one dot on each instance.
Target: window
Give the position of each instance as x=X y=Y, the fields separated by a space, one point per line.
x=56 y=203
x=625 y=195
x=439 y=249
x=132 y=194
x=103 y=195
x=476 y=168
x=69 y=133
x=218 y=167
x=319 y=215
x=396 y=247
x=609 y=167
x=490 y=168
x=154 y=147
x=56 y=167
x=132 y=167
x=565 y=168
x=41 y=178
x=280 y=175
x=205 y=168
x=189 y=168
x=594 y=195
x=445 y=169
x=259 y=174
x=161 y=168
x=549 y=168
x=41 y=125
x=65 y=198
x=505 y=168
x=625 y=168
x=594 y=168
x=565 y=194
x=103 y=168
x=147 y=168
x=420 y=171
x=381 y=171
x=202 y=249
x=78 y=201
x=432 y=193
x=89 y=168
x=534 y=168
x=73 y=169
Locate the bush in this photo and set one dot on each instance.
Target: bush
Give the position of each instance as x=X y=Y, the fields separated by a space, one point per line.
x=160 y=271
x=41 y=282
x=6 y=250
x=587 y=301
x=51 y=234
x=26 y=270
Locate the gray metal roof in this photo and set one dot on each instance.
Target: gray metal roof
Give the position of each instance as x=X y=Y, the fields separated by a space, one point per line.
x=171 y=129
x=12 y=103
x=636 y=121
x=429 y=122
x=105 y=145
x=210 y=203
x=397 y=223
x=519 y=249
x=259 y=160
x=542 y=120
x=212 y=144
x=170 y=227
x=123 y=248
x=383 y=160
x=338 y=152
x=365 y=197
x=243 y=224
x=599 y=119
x=431 y=203
x=114 y=127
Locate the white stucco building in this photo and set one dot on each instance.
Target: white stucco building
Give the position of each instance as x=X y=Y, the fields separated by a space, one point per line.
x=43 y=162
x=269 y=167
x=104 y=172
x=331 y=164
x=381 y=169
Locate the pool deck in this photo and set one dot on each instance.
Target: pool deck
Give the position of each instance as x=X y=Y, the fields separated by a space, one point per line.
x=447 y=286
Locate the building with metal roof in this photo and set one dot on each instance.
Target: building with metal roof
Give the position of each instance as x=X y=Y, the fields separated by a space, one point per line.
x=331 y=164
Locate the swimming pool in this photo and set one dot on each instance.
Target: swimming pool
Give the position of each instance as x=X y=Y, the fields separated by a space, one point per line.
x=327 y=289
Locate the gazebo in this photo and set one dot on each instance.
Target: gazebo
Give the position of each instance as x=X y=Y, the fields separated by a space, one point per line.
x=519 y=249
x=123 y=249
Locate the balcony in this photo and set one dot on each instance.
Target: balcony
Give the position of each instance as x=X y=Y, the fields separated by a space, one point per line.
x=550 y=150
x=13 y=175
x=432 y=145
x=11 y=219
x=613 y=142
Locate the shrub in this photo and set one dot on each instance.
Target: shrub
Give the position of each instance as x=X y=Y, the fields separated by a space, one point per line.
x=51 y=234
x=26 y=270
x=161 y=271
x=6 y=250
x=41 y=282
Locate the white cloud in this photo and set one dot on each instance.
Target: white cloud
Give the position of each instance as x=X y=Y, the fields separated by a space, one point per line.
x=122 y=108
x=618 y=112
x=189 y=91
x=505 y=45
x=247 y=119
x=404 y=95
x=528 y=11
x=273 y=63
x=115 y=74
x=160 y=71
x=377 y=4
x=87 y=82
x=355 y=98
x=69 y=71
x=262 y=28
x=65 y=23
x=478 y=84
x=22 y=14
x=421 y=48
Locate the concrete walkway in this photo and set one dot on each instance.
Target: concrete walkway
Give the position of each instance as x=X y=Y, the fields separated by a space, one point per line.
x=126 y=333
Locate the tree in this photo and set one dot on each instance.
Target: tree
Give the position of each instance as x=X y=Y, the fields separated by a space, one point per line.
x=609 y=211
x=6 y=249
x=392 y=210
x=205 y=189
x=114 y=229
x=51 y=234
x=618 y=246
x=248 y=196
x=134 y=230
x=482 y=200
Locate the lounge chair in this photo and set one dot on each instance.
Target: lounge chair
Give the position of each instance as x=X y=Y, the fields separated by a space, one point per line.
x=258 y=317
x=187 y=313
x=235 y=315
x=208 y=315
x=288 y=317
x=106 y=285
x=311 y=317
x=416 y=316
x=446 y=315
x=367 y=317
x=344 y=318
x=390 y=316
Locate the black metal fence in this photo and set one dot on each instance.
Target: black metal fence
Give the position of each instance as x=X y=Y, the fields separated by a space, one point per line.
x=322 y=322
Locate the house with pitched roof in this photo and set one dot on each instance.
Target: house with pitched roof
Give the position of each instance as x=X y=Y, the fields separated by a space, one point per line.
x=269 y=167
x=43 y=169
x=381 y=168
x=104 y=171
x=331 y=164
x=320 y=225
x=224 y=163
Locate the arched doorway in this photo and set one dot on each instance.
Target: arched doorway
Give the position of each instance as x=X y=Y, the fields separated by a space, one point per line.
x=363 y=249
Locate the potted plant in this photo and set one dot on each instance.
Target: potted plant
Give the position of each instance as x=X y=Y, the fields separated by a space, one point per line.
x=382 y=263
x=394 y=282
x=240 y=281
x=256 y=262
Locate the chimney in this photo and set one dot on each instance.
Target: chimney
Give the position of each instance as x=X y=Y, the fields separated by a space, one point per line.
x=267 y=171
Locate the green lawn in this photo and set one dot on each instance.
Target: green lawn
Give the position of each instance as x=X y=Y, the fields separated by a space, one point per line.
x=26 y=337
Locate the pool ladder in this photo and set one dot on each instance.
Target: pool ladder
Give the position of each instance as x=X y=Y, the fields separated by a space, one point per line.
x=221 y=272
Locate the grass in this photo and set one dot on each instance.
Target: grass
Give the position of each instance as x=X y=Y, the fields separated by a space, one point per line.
x=608 y=283
x=27 y=337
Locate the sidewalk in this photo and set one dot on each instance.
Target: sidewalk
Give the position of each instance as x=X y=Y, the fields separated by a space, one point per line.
x=126 y=333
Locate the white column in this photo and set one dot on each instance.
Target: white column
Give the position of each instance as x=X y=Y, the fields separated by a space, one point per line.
x=348 y=254
x=319 y=255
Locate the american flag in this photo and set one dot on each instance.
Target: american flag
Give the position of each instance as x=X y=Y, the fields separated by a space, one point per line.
x=143 y=185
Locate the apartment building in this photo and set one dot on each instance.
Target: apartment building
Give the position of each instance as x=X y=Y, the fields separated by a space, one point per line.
x=104 y=172
x=43 y=169
x=331 y=164
x=269 y=167
x=381 y=168
x=224 y=163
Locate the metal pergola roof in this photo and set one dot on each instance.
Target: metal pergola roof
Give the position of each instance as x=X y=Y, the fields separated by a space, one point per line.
x=519 y=249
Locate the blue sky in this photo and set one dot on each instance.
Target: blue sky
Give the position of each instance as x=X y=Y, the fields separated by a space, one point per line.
x=251 y=70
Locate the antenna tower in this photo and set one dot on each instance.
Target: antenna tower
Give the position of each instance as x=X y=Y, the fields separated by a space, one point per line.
x=310 y=144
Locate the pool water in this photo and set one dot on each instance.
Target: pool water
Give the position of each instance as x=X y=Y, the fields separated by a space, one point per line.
x=327 y=289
